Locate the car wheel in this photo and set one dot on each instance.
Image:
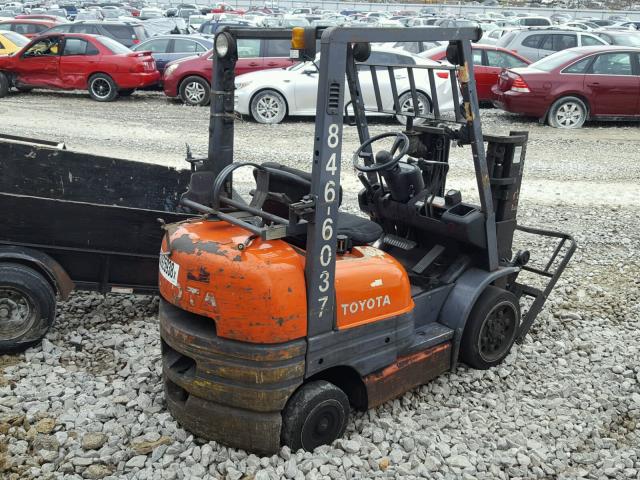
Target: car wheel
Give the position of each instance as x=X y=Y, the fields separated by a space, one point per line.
x=102 y=88
x=126 y=93
x=27 y=306
x=316 y=414
x=4 y=85
x=568 y=112
x=491 y=328
x=268 y=106
x=195 y=91
x=406 y=105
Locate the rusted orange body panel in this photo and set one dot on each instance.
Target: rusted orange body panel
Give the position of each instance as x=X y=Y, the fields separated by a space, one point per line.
x=406 y=373
x=258 y=294
x=255 y=295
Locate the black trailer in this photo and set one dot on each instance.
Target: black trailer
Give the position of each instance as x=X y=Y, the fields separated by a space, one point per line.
x=70 y=220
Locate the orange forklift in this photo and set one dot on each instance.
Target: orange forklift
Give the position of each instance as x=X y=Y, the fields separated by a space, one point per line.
x=281 y=312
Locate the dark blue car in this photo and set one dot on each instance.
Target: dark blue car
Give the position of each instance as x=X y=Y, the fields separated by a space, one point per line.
x=166 y=48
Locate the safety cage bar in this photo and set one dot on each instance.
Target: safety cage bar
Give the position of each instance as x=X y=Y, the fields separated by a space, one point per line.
x=565 y=246
x=434 y=114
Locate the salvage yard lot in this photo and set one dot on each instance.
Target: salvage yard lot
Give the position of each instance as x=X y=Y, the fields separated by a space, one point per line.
x=565 y=404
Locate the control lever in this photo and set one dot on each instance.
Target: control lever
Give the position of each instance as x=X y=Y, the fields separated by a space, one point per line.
x=364 y=180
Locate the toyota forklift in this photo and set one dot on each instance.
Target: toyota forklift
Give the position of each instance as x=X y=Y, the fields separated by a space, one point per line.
x=280 y=311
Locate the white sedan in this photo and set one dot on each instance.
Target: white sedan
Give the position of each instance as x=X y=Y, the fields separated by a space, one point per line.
x=270 y=95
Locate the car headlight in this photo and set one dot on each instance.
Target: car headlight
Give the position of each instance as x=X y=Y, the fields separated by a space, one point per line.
x=170 y=69
x=241 y=85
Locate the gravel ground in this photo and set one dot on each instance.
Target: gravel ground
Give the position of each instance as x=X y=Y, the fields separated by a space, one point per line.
x=88 y=403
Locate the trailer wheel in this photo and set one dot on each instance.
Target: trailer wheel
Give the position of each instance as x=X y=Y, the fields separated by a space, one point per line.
x=27 y=306
x=491 y=328
x=316 y=414
x=4 y=85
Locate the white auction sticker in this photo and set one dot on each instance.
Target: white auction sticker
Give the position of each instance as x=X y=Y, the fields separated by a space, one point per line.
x=169 y=269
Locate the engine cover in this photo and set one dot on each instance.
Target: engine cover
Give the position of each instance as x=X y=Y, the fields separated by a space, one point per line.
x=258 y=294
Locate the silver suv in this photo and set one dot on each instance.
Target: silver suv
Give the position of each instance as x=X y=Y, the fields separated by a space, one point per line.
x=535 y=44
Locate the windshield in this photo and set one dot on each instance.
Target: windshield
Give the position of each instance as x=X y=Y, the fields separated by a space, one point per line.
x=115 y=47
x=554 y=61
x=16 y=38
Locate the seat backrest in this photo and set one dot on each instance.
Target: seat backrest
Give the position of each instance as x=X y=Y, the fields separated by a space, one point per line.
x=293 y=188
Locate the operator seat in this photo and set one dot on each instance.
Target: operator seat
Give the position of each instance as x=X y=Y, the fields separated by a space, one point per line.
x=284 y=191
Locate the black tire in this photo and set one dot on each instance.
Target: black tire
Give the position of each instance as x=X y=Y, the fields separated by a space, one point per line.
x=195 y=91
x=491 y=329
x=423 y=101
x=102 y=88
x=27 y=306
x=316 y=414
x=268 y=106
x=4 y=85
x=568 y=112
x=126 y=93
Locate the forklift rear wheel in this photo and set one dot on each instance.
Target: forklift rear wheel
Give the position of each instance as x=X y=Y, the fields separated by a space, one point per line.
x=315 y=415
x=27 y=306
x=491 y=328
x=268 y=106
x=4 y=85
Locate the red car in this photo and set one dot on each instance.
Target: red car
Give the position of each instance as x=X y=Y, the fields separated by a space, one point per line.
x=28 y=27
x=488 y=62
x=188 y=78
x=226 y=8
x=78 y=62
x=575 y=85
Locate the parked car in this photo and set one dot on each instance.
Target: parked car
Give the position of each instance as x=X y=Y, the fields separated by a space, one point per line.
x=40 y=16
x=167 y=48
x=535 y=44
x=625 y=39
x=26 y=27
x=188 y=78
x=531 y=22
x=11 y=42
x=127 y=33
x=415 y=47
x=270 y=96
x=78 y=62
x=488 y=62
x=210 y=27
x=492 y=37
x=575 y=85
x=150 y=12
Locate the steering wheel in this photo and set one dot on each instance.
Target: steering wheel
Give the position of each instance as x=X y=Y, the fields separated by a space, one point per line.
x=384 y=160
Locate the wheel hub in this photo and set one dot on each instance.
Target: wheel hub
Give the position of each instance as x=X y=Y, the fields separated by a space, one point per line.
x=268 y=107
x=569 y=114
x=195 y=92
x=496 y=332
x=16 y=314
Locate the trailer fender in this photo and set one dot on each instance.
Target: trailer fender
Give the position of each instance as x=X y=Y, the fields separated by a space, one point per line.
x=463 y=296
x=51 y=269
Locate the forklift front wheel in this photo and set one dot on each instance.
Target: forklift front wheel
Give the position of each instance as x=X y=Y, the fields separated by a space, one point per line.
x=27 y=306
x=491 y=328
x=316 y=414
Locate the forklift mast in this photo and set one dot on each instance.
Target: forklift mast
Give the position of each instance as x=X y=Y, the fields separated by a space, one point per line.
x=341 y=48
